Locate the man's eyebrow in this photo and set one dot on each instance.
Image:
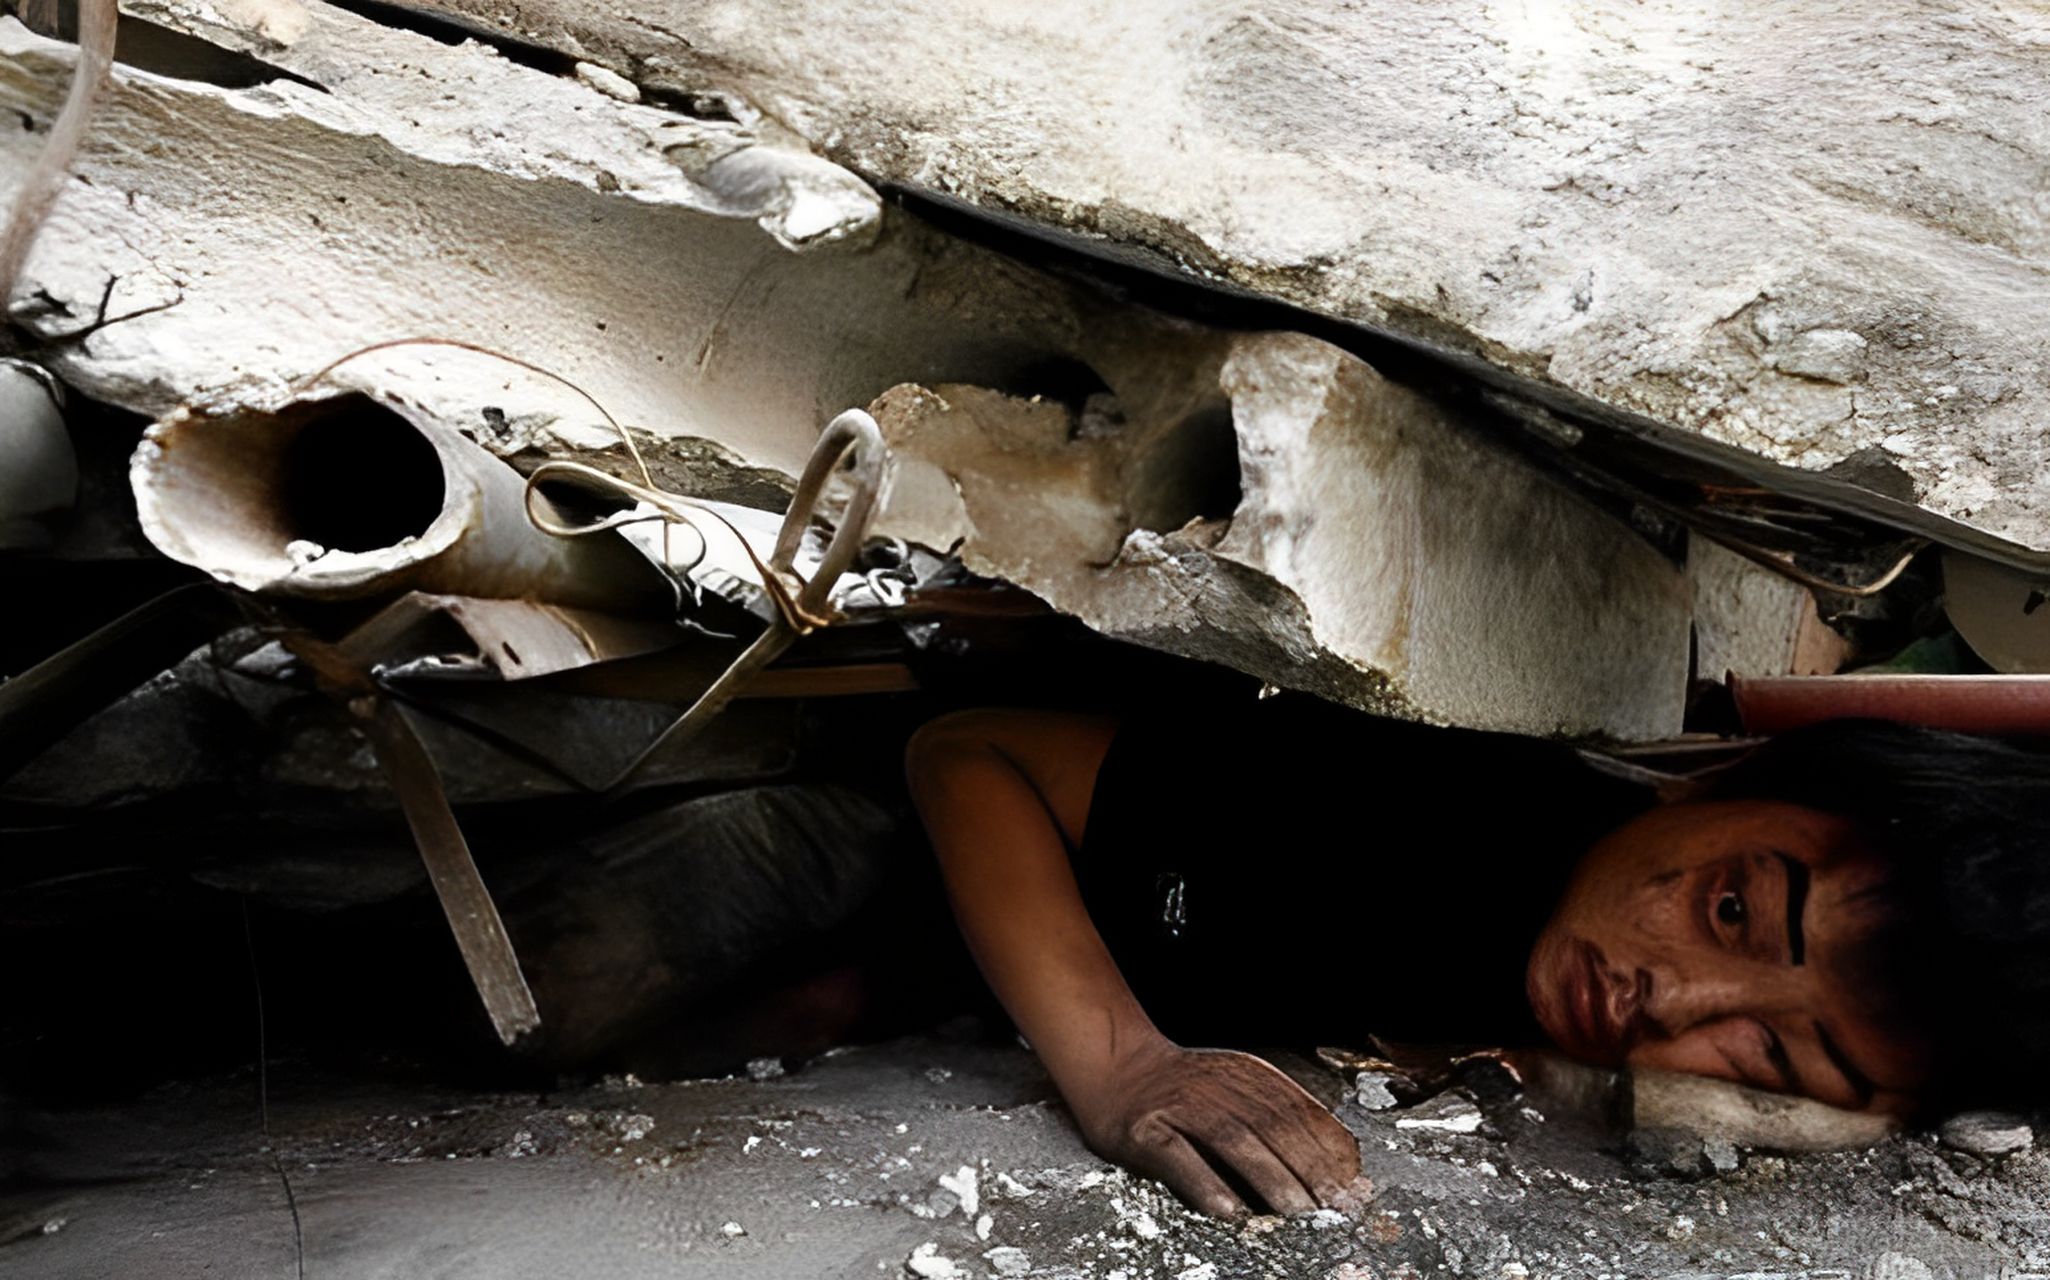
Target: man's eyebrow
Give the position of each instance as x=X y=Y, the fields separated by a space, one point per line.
x=1797 y=903
x=1861 y=1084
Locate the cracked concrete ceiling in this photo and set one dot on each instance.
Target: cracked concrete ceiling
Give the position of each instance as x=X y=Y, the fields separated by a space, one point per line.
x=1804 y=231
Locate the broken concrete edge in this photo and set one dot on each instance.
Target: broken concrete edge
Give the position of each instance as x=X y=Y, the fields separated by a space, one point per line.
x=651 y=154
x=604 y=146
x=1377 y=554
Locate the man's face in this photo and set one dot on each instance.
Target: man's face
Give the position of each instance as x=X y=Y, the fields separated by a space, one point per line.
x=1710 y=939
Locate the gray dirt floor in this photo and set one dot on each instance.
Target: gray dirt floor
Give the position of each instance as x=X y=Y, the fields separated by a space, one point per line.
x=935 y=1156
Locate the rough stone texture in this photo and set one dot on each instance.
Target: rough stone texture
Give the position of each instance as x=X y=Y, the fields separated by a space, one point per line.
x=728 y=290
x=1806 y=231
x=1749 y=621
x=936 y=1150
x=694 y=278
x=1379 y=555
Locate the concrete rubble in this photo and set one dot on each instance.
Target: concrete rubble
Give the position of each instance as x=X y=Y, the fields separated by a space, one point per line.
x=872 y=1163
x=1473 y=589
x=726 y=290
x=1808 y=233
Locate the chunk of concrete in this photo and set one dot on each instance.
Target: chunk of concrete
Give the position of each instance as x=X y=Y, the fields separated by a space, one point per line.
x=1750 y=621
x=1378 y=554
x=703 y=278
x=1987 y=1133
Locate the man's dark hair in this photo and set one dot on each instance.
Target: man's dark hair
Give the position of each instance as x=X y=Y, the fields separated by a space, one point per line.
x=1963 y=824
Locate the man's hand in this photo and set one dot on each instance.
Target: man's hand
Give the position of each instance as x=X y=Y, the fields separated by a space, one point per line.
x=1185 y=1115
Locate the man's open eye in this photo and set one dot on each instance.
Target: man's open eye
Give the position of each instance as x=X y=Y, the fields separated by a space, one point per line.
x=1729 y=909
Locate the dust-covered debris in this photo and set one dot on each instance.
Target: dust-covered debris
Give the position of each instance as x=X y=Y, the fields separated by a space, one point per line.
x=1008 y=1260
x=1450 y=1113
x=1279 y=506
x=837 y=1167
x=927 y=1261
x=1987 y=1133
x=1371 y=1090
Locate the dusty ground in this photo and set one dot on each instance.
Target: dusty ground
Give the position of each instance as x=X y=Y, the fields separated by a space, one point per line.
x=932 y=1157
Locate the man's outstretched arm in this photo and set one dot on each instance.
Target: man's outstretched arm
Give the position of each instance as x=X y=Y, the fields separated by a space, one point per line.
x=1004 y=796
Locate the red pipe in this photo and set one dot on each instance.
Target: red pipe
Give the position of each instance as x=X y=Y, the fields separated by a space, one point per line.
x=1968 y=704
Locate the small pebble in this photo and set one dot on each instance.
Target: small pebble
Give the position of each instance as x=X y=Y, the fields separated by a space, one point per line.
x=1008 y=1260
x=963 y=1184
x=1371 y=1091
x=1721 y=1153
x=1986 y=1133
x=927 y=1261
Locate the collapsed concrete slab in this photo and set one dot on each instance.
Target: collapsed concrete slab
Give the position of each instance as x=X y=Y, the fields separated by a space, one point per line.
x=1805 y=233
x=381 y=185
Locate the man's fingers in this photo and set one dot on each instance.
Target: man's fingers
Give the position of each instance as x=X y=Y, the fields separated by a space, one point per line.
x=1170 y=1158
x=1320 y=1151
x=1263 y=1171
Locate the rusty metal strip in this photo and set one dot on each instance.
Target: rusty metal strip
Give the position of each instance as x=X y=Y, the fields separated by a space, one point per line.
x=480 y=933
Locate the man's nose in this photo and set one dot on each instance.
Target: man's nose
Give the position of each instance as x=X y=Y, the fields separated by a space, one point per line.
x=1681 y=998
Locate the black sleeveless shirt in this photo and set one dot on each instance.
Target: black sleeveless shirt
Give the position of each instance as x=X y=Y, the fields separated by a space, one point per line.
x=1284 y=872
